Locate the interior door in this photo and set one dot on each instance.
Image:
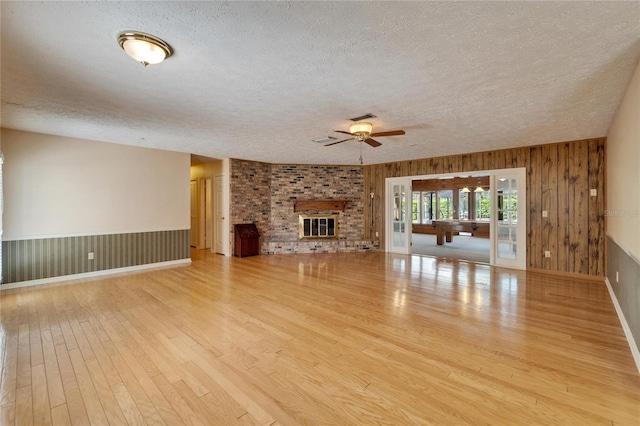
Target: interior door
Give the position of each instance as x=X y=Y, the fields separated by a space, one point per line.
x=509 y=218
x=219 y=219
x=398 y=203
x=208 y=214
x=194 y=213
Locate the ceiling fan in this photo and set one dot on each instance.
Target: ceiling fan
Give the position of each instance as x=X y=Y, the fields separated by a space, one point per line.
x=361 y=131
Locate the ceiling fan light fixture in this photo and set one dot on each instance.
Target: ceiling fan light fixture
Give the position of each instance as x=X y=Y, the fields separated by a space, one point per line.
x=144 y=48
x=361 y=129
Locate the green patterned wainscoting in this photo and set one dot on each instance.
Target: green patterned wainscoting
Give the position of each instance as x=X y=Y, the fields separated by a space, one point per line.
x=626 y=285
x=34 y=259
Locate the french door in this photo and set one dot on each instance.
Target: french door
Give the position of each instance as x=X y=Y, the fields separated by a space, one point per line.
x=398 y=227
x=509 y=218
x=508 y=238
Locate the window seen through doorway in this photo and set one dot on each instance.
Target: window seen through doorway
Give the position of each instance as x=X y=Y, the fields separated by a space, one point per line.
x=450 y=204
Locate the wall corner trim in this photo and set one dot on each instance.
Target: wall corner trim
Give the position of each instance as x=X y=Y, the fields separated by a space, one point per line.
x=76 y=277
x=625 y=326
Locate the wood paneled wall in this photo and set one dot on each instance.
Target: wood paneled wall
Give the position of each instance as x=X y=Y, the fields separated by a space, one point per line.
x=559 y=179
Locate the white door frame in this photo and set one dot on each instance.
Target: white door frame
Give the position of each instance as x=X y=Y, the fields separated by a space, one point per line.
x=520 y=173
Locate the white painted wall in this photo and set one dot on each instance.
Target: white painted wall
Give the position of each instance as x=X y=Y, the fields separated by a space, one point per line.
x=59 y=186
x=623 y=171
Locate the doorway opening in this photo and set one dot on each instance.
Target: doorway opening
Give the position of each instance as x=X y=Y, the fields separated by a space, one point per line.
x=450 y=217
x=466 y=214
x=201 y=213
x=209 y=204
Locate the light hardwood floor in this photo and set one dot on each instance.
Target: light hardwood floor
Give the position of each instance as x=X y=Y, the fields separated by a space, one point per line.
x=318 y=339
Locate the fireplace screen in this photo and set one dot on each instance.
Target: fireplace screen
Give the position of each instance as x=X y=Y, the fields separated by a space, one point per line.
x=318 y=226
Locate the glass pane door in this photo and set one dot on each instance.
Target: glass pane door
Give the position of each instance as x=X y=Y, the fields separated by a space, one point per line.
x=399 y=227
x=399 y=212
x=507 y=218
x=509 y=221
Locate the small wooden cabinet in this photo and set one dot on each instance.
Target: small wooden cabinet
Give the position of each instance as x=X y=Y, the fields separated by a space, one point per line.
x=247 y=240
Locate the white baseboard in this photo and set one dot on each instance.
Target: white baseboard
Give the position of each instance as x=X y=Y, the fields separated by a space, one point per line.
x=625 y=326
x=86 y=275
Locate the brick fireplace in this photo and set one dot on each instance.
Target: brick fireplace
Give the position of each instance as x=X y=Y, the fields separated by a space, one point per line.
x=265 y=194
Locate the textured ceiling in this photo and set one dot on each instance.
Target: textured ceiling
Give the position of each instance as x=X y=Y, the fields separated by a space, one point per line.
x=260 y=80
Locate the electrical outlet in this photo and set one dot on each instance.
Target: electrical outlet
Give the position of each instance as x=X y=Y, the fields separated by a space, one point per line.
x=90 y=256
x=594 y=192
x=547 y=253
x=545 y=213
x=617 y=278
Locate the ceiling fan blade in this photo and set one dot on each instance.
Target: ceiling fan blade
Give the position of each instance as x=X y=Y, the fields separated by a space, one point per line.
x=333 y=143
x=372 y=143
x=342 y=131
x=389 y=133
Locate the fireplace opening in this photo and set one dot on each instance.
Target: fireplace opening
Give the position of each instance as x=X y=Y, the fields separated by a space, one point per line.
x=318 y=226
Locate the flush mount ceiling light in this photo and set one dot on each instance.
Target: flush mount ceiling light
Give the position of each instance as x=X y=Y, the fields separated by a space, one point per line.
x=144 y=48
